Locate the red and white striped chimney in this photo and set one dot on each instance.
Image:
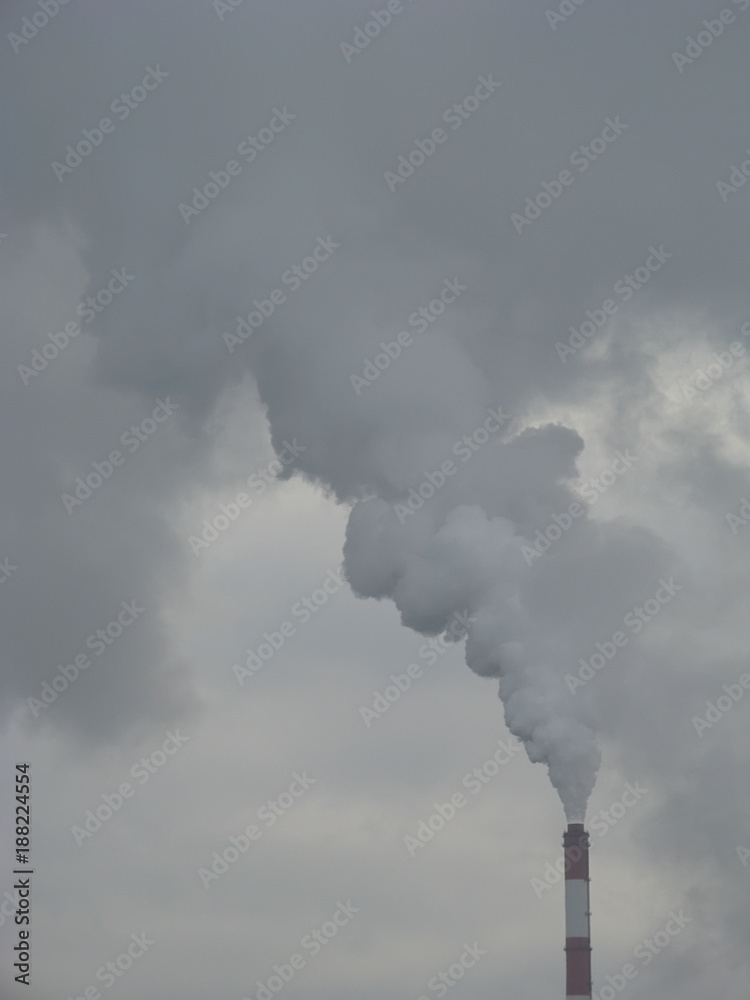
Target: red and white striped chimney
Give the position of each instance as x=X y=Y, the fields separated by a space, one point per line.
x=577 y=913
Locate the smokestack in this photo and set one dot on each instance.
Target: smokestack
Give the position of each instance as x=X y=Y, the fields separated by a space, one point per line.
x=577 y=913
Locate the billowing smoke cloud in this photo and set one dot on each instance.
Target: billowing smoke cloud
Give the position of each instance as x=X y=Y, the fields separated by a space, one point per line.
x=459 y=560
x=385 y=374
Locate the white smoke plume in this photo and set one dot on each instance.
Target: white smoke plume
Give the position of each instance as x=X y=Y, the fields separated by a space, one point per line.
x=444 y=543
x=434 y=566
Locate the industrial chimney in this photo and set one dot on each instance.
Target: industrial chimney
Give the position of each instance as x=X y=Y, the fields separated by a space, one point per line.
x=577 y=913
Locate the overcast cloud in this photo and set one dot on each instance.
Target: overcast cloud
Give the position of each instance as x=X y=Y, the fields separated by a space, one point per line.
x=347 y=344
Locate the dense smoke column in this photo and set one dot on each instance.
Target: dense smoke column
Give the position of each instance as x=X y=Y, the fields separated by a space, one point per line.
x=458 y=560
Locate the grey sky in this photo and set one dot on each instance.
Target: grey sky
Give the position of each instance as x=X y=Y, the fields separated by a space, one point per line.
x=590 y=181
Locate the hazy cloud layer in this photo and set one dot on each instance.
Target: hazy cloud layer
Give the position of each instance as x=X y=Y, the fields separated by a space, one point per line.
x=454 y=295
